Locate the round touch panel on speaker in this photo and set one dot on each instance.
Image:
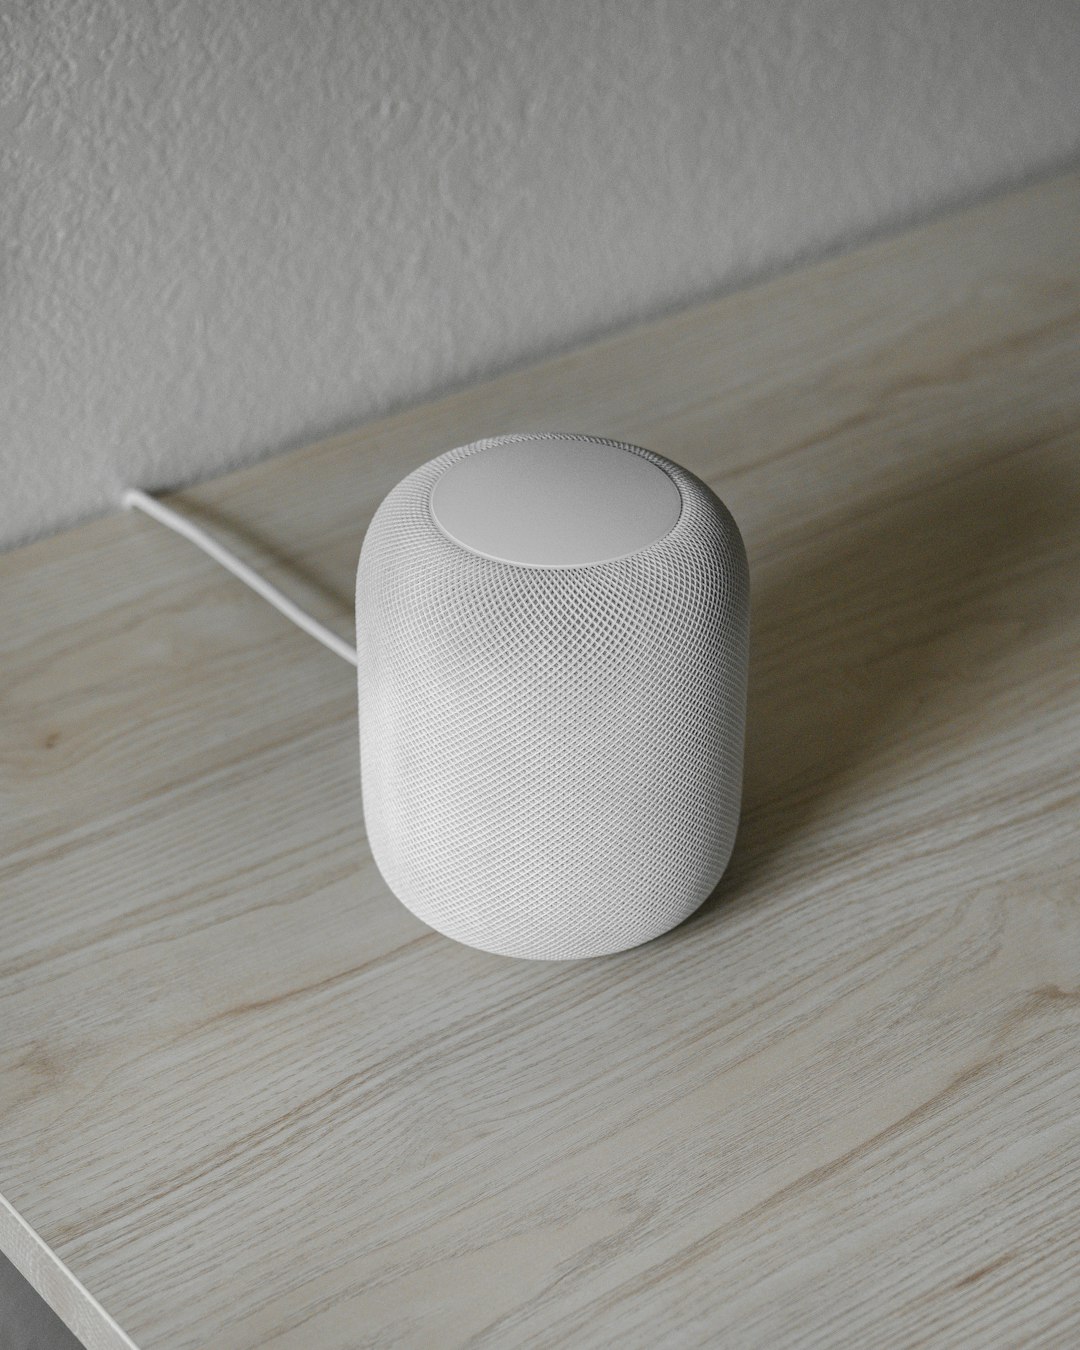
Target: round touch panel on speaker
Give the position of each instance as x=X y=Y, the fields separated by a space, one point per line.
x=555 y=501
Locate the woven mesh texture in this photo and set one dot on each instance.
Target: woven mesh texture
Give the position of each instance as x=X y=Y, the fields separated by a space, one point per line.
x=551 y=758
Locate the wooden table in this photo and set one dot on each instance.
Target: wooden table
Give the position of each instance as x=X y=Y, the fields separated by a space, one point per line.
x=246 y=1099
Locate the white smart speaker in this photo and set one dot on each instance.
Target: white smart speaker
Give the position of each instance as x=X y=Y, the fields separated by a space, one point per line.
x=552 y=651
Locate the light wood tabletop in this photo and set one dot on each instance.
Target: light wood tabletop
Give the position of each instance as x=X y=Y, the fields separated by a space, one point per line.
x=247 y=1099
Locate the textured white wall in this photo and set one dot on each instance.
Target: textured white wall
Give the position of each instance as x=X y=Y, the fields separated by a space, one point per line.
x=232 y=227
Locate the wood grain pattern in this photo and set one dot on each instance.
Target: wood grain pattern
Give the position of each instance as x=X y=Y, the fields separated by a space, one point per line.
x=246 y=1099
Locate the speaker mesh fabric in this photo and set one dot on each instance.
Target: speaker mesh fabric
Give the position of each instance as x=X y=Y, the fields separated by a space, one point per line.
x=551 y=758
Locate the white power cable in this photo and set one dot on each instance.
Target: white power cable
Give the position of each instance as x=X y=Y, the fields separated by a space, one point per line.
x=174 y=521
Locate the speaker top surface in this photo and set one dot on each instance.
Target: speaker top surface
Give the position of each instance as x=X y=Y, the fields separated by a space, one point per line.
x=555 y=501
